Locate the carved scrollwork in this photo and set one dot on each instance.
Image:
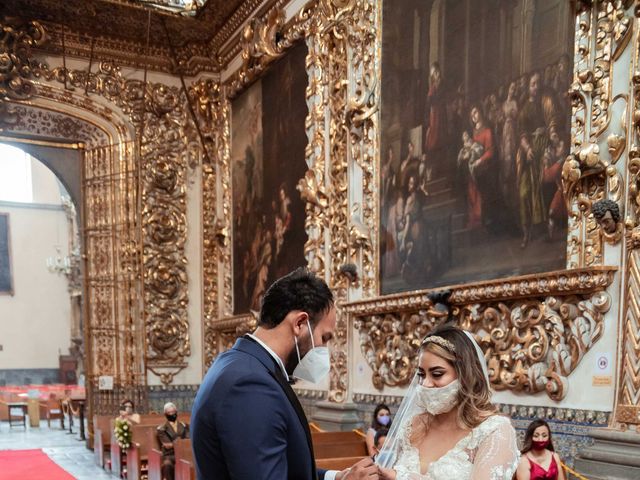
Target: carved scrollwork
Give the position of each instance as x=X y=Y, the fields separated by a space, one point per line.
x=534 y=345
x=533 y=331
x=17 y=38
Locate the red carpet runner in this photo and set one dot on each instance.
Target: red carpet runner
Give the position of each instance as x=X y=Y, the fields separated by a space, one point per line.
x=29 y=465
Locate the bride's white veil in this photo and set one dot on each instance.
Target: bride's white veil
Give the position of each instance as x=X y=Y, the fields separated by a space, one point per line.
x=396 y=438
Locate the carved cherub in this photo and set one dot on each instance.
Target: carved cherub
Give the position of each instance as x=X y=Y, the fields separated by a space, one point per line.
x=607 y=214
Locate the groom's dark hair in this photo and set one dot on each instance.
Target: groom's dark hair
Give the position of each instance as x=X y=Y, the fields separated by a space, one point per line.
x=299 y=290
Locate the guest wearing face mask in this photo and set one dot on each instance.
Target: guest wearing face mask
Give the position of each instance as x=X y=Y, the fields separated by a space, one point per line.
x=247 y=422
x=446 y=427
x=168 y=433
x=539 y=461
x=381 y=419
x=127 y=412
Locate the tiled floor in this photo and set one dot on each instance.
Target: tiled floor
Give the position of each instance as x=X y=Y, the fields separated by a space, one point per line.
x=63 y=448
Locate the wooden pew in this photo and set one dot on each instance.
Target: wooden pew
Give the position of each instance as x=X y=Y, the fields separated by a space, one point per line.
x=185 y=468
x=117 y=455
x=145 y=453
x=143 y=439
x=339 y=463
x=332 y=445
x=51 y=410
x=102 y=428
x=183 y=452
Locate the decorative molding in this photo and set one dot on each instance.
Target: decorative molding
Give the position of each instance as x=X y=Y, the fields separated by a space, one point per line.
x=627 y=408
x=563 y=282
x=165 y=138
x=534 y=332
x=16 y=43
x=39 y=122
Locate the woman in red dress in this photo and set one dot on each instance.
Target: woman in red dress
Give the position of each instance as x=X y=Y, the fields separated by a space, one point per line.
x=478 y=188
x=539 y=461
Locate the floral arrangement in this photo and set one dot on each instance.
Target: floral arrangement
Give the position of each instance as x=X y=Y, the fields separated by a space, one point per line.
x=123 y=433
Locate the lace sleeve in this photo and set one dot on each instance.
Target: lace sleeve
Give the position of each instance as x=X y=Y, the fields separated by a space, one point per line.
x=497 y=454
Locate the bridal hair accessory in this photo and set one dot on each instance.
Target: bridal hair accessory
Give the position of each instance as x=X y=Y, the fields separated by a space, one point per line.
x=446 y=344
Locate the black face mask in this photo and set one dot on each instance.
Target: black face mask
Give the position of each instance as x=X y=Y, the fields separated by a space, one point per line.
x=172 y=418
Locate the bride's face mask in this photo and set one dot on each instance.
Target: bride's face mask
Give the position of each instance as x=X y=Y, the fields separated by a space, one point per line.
x=439 y=385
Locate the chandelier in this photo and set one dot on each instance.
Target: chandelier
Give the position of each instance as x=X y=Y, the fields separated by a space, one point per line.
x=187 y=7
x=59 y=264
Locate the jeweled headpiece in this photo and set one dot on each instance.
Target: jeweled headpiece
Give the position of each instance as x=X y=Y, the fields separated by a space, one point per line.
x=444 y=343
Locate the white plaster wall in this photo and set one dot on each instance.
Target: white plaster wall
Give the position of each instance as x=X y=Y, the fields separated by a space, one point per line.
x=35 y=322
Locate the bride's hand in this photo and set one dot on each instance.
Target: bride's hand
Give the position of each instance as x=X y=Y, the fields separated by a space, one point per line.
x=387 y=473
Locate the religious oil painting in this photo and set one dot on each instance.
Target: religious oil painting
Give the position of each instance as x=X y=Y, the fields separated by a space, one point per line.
x=475 y=125
x=268 y=141
x=6 y=280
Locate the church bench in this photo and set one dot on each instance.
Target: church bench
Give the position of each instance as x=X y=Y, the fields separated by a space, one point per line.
x=102 y=428
x=183 y=452
x=336 y=437
x=145 y=453
x=185 y=468
x=150 y=419
x=51 y=409
x=341 y=449
x=339 y=463
x=143 y=439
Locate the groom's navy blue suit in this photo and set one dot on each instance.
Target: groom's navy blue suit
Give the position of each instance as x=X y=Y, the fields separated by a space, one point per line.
x=247 y=423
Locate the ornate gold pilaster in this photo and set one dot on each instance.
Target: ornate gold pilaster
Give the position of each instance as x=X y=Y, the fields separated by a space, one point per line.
x=534 y=329
x=165 y=139
x=598 y=139
x=627 y=408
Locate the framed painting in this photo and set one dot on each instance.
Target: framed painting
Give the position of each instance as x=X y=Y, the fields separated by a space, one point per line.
x=268 y=141
x=6 y=278
x=475 y=126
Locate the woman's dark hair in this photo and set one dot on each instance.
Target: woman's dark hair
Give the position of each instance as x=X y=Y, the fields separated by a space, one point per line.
x=527 y=444
x=383 y=432
x=374 y=423
x=124 y=403
x=299 y=290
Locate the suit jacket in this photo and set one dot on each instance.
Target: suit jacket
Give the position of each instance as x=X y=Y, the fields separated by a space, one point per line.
x=166 y=434
x=247 y=423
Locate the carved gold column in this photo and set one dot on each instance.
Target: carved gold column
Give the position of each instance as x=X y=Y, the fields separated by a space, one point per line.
x=627 y=408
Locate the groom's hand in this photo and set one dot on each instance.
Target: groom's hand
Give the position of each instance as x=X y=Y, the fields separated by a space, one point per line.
x=365 y=469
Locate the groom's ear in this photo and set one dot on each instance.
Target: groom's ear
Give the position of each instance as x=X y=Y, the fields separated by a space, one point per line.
x=298 y=321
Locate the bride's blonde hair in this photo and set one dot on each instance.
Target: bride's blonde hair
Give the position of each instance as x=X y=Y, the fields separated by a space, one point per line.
x=474 y=398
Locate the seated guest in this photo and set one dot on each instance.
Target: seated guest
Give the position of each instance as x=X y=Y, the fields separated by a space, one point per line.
x=381 y=419
x=381 y=436
x=167 y=433
x=539 y=461
x=127 y=413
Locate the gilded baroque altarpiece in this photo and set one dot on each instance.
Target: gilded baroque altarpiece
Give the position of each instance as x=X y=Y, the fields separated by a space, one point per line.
x=535 y=329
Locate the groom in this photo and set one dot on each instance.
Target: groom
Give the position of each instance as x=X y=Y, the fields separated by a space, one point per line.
x=247 y=423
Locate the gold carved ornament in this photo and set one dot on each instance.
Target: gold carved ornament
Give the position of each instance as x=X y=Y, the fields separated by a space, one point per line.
x=165 y=138
x=627 y=408
x=16 y=42
x=588 y=176
x=534 y=330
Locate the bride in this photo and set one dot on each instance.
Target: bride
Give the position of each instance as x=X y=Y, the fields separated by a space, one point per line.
x=446 y=427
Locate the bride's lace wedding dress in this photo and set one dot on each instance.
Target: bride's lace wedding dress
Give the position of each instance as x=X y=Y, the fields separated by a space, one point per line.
x=488 y=452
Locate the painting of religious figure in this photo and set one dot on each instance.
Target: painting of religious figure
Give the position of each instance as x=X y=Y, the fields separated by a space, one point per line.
x=6 y=280
x=475 y=126
x=268 y=141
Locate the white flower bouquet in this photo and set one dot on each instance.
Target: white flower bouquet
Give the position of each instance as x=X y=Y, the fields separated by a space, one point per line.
x=123 y=433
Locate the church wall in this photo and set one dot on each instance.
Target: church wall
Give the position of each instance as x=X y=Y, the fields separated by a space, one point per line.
x=36 y=319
